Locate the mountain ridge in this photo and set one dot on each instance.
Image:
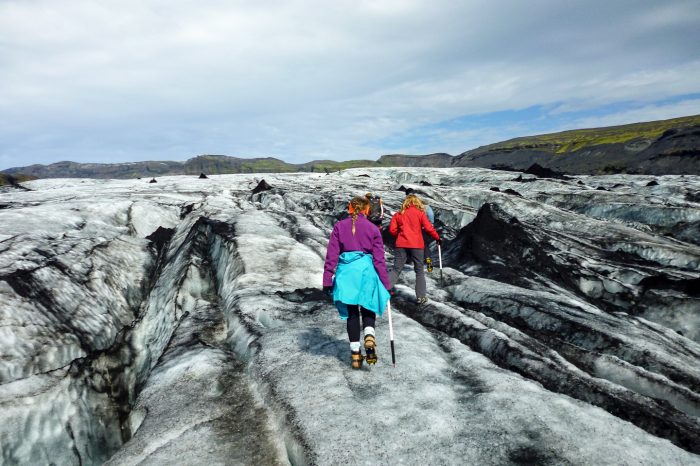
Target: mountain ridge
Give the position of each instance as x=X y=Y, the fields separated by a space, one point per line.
x=657 y=148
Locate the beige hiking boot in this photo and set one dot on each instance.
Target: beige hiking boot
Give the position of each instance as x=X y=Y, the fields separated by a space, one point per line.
x=356 y=360
x=370 y=349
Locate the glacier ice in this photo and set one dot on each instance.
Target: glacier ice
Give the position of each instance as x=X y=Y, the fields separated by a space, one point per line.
x=567 y=330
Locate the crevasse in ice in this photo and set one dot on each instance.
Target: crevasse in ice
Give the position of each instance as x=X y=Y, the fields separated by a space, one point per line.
x=565 y=329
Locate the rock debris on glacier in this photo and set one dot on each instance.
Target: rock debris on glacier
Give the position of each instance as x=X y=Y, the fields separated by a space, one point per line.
x=182 y=322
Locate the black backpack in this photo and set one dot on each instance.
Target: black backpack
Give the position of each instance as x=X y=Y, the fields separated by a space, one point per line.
x=376 y=212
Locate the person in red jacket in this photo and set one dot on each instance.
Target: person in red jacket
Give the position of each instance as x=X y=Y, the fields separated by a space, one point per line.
x=407 y=226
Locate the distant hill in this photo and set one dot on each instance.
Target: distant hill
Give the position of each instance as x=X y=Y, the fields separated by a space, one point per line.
x=217 y=165
x=210 y=164
x=657 y=147
x=431 y=160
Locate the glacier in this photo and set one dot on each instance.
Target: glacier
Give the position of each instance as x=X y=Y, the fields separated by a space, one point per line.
x=182 y=322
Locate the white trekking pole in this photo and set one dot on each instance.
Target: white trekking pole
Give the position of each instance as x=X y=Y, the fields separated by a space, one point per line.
x=442 y=281
x=391 y=333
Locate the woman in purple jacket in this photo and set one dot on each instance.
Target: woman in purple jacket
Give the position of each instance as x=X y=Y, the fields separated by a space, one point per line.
x=355 y=256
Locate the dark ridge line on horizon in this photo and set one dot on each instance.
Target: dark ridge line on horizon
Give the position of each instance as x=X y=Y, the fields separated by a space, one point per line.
x=658 y=147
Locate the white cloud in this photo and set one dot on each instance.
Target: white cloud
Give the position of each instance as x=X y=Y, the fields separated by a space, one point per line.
x=96 y=80
x=645 y=113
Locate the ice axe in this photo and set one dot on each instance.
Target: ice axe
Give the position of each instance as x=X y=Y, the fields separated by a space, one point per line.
x=391 y=333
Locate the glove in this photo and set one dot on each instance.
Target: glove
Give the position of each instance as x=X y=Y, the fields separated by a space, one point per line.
x=328 y=291
x=439 y=242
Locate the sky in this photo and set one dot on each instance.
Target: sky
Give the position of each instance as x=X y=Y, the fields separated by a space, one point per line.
x=127 y=80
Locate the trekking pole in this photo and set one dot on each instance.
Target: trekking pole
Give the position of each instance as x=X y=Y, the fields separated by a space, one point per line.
x=391 y=334
x=442 y=281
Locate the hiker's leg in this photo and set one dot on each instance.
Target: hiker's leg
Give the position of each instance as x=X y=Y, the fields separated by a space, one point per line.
x=370 y=341
x=417 y=259
x=354 y=326
x=368 y=321
x=399 y=262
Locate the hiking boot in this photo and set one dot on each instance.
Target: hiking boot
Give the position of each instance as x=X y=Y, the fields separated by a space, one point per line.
x=429 y=262
x=370 y=349
x=422 y=301
x=356 y=360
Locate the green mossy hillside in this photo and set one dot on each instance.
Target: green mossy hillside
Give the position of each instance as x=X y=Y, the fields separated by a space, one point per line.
x=575 y=140
x=14 y=179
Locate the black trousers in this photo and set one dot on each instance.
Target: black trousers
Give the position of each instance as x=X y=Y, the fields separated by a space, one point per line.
x=368 y=319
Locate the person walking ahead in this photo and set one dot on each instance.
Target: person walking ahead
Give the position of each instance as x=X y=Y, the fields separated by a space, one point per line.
x=426 y=238
x=407 y=226
x=360 y=287
x=376 y=209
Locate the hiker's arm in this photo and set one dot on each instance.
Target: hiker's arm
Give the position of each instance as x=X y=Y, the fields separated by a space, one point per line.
x=332 y=254
x=378 y=259
x=394 y=225
x=428 y=227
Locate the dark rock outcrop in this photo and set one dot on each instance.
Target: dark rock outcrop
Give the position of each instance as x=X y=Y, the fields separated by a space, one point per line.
x=186 y=210
x=520 y=179
x=542 y=172
x=262 y=186
x=512 y=192
x=160 y=238
x=502 y=245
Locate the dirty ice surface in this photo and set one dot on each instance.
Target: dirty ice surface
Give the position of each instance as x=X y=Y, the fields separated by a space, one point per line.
x=182 y=322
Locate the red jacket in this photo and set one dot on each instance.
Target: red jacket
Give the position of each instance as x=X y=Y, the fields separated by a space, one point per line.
x=408 y=226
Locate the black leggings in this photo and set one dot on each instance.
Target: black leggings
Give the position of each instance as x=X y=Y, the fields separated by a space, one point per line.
x=368 y=319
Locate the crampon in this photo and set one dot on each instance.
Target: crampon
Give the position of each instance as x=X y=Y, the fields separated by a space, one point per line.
x=370 y=350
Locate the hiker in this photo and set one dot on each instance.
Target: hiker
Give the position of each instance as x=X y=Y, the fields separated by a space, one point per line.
x=360 y=287
x=376 y=209
x=426 y=237
x=407 y=225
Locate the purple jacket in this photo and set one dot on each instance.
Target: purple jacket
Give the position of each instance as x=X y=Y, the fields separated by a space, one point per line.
x=367 y=239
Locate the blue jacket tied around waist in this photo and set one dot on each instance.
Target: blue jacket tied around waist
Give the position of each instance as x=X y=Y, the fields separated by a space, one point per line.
x=357 y=282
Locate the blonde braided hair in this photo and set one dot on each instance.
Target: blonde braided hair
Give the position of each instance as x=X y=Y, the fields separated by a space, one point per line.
x=358 y=205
